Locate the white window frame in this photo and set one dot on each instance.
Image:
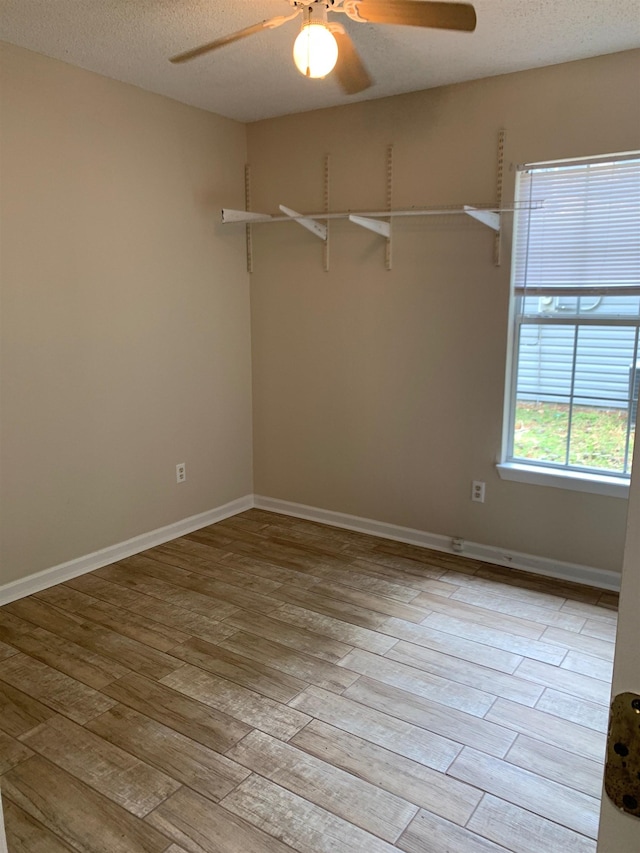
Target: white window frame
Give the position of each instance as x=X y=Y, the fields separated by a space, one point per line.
x=533 y=472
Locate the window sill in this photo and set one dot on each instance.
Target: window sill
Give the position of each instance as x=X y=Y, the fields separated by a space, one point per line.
x=598 y=484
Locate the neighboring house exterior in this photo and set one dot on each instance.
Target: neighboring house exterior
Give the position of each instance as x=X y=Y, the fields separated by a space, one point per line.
x=605 y=355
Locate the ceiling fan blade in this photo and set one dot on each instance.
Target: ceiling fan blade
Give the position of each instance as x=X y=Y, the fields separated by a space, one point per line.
x=415 y=13
x=350 y=71
x=225 y=40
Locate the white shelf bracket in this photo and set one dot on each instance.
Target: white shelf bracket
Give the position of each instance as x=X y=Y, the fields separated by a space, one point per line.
x=378 y=226
x=487 y=217
x=310 y=224
x=230 y=215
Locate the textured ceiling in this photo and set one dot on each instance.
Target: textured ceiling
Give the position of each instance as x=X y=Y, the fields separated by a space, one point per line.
x=131 y=40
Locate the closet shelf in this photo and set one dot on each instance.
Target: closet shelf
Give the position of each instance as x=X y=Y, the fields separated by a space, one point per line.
x=489 y=216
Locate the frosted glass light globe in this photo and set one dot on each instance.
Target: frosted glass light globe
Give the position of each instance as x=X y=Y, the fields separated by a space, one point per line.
x=315 y=51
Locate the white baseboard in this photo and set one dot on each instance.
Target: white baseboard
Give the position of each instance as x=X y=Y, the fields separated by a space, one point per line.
x=90 y=562
x=499 y=556
x=574 y=572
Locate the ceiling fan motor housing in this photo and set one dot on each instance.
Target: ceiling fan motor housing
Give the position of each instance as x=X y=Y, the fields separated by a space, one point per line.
x=314 y=6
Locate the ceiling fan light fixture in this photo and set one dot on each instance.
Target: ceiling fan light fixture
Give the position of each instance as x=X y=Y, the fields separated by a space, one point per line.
x=315 y=51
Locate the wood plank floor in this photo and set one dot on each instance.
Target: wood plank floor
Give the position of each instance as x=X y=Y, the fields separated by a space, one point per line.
x=269 y=685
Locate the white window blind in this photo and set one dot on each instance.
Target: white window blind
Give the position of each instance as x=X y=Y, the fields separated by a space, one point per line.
x=585 y=238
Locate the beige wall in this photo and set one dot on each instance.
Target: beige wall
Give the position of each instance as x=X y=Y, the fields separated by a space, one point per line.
x=380 y=393
x=125 y=313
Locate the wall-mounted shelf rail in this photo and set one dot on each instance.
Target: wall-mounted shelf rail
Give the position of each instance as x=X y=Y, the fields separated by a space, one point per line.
x=377 y=221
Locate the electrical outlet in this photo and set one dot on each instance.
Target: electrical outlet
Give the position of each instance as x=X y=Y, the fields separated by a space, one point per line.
x=477 y=491
x=181 y=472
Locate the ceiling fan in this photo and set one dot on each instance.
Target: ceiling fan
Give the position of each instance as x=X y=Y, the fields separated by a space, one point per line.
x=323 y=45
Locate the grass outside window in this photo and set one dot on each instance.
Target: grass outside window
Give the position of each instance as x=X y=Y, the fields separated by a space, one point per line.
x=598 y=436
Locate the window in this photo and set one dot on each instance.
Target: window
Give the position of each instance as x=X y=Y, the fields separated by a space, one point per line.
x=572 y=394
